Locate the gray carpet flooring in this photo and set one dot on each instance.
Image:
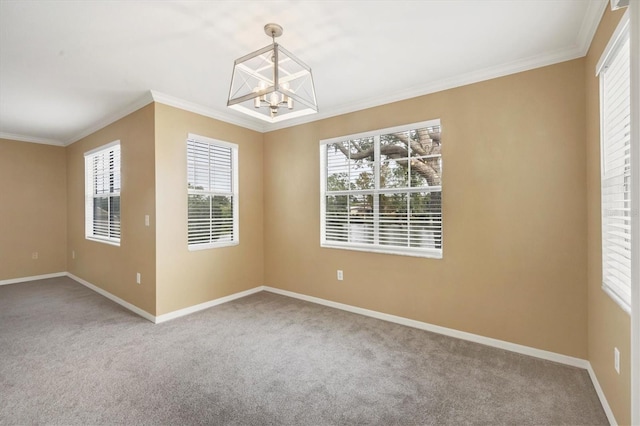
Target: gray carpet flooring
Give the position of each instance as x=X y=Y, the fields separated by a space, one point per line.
x=70 y=356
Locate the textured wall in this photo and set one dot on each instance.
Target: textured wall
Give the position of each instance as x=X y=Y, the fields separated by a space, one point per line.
x=514 y=192
x=33 y=209
x=187 y=278
x=609 y=326
x=109 y=267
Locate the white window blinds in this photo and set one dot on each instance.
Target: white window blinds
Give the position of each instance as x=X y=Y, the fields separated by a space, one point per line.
x=102 y=188
x=616 y=173
x=382 y=192
x=212 y=193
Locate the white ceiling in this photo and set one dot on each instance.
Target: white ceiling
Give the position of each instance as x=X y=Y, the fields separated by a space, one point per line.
x=67 y=68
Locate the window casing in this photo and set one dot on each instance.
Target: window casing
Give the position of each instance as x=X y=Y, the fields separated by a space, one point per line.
x=381 y=191
x=615 y=143
x=212 y=187
x=102 y=193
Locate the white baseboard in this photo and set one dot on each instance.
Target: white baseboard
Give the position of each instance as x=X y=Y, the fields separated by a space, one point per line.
x=501 y=344
x=205 y=305
x=133 y=308
x=603 y=399
x=33 y=278
x=168 y=316
x=513 y=347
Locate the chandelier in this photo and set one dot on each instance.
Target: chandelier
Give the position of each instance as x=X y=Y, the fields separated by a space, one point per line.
x=271 y=83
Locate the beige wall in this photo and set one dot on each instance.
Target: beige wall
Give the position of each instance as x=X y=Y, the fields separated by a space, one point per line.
x=33 y=209
x=110 y=267
x=513 y=203
x=187 y=278
x=519 y=244
x=609 y=326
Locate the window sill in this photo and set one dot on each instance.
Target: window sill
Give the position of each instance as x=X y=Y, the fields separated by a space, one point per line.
x=198 y=247
x=429 y=253
x=621 y=303
x=104 y=241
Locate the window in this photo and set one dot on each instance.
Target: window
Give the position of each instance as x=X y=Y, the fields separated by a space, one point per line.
x=102 y=190
x=382 y=191
x=615 y=120
x=212 y=186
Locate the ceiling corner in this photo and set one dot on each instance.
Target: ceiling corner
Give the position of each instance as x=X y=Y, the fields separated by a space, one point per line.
x=590 y=23
x=142 y=101
x=31 y=139
x=176 y=102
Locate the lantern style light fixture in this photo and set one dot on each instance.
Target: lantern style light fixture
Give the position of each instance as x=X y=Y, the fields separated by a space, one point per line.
x=271 y=83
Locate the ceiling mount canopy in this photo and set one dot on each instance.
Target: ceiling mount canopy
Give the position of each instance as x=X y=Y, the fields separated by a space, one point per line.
x=271 y=83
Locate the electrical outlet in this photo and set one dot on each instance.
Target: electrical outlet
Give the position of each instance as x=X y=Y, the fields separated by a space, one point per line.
x=138 y=277
x=34 y=255
x=340 y=275
x=616 y=360
x=146 y=220
x=73 y=254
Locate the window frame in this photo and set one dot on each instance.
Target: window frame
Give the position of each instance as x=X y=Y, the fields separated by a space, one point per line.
x=376 y=192
x=90 y=194
x=234 y=193
x=620 y=36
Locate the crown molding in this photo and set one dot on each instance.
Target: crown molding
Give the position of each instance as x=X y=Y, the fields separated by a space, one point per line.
x=590 y=23
x=142 y=101
x=588 y=28
x=207 y=112
x=31 y=139
x=485 y=74
x=489 y=73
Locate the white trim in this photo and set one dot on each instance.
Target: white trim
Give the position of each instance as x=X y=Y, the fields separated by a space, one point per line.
x=500 y=344
x=372 y=133
x=31 y=139
x=182 y=104
x=495 y=343
x=90 y=196
x=375 y=246
x=634 y=13
x=278 y=118
x=614 y=42
x=235 y=190
x=164 y=317
x=101 y=148
x=621 y=303
x=585 y=36
x=590 y=24
x=323 y=190
x=426 y=253
x=199 y=307
x=617 y=40
x=592 y=18
x=212 y=141
x=109 y=241
x=198 y=247
x=583 y=41
x=618 y=4
x=601 y=396
x=144 y=314
x=143 y=101
x=33 y=278
x=463 y=335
